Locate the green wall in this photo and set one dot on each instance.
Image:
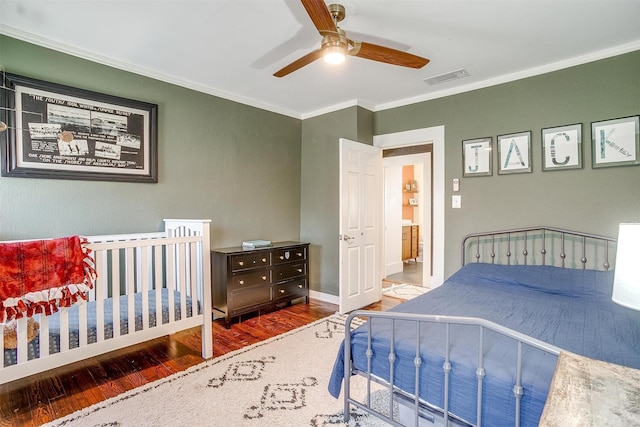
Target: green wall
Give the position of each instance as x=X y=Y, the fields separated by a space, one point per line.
x=218 y=159
x=591 y=200
x=320 y=199
x=277 y=178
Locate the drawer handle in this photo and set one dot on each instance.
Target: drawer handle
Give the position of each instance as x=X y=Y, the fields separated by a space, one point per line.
x=241 y=263
x=299 y=270
x=241 y=282
x=264 y=260
x=282 y=291
x=300 y=286
x=300 y=254
x=264 y=277
x=281 y=257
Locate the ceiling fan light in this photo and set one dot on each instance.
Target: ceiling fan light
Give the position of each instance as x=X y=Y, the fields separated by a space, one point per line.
x=334 y=55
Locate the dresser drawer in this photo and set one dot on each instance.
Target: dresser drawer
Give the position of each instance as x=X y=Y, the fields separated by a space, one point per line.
x=242 y=300
x=251 y=260
x=281 y=256
x=289 y=271
x=289 y=289
x=245 y=280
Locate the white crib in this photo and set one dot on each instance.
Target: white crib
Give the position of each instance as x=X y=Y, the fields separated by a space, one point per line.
x=150 y=284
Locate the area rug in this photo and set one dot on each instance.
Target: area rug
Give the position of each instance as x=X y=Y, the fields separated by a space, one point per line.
x=404 y=291
x=278 y=382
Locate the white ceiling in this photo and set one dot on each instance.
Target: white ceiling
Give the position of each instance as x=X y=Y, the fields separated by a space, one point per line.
x=231 y=48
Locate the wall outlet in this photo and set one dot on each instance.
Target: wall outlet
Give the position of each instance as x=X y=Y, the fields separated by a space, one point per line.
x=456 y=184
x=456 y=202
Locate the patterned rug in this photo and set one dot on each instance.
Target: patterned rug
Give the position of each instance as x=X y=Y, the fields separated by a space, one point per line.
x=404 y=291
x=278 y=382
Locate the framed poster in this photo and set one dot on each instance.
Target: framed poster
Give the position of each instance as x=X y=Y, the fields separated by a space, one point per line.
x=562 y=147
x=615 y=142
x=477 y=157
x=57 y=131
x=514 y=153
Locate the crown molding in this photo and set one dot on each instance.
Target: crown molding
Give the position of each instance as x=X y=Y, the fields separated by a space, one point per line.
x=121 y=65
x=125 y=66
x=531 y=72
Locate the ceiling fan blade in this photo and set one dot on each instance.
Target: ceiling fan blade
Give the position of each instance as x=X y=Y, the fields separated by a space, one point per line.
x=319 y=14
x=386 y=54
x=299 y=63
x=354 y=35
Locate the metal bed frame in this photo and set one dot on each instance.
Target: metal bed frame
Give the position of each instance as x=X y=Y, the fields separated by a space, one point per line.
x=557 y=247
x=523 y=246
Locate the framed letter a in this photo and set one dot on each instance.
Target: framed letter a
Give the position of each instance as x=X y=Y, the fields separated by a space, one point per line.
x=514 y=153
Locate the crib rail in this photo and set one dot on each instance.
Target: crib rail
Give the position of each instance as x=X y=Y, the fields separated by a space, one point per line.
x=540 y=246
x=420 y=407
x=133 y=270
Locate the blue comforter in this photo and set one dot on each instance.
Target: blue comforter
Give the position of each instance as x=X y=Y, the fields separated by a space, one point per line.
x=571 y=309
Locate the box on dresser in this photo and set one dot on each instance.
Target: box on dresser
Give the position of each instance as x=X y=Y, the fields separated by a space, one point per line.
x=246 y=280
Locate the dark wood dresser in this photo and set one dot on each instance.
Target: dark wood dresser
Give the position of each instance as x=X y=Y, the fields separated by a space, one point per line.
x=245 y=280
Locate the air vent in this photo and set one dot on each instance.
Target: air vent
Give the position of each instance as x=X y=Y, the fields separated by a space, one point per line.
x=447 y=77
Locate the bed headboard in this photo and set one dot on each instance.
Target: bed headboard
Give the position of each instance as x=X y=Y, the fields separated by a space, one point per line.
x=540 y=246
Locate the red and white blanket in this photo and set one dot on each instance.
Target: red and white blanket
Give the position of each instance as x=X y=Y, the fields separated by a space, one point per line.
x=39 y=276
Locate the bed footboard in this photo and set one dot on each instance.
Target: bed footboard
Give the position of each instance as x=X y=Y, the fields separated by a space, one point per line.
x=421 y=356
x=148 y=285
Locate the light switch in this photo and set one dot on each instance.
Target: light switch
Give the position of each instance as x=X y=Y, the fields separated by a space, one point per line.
x=456 y=202
x=456 y=184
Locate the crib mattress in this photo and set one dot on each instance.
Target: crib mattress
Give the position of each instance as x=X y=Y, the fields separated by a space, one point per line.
x=10 y=355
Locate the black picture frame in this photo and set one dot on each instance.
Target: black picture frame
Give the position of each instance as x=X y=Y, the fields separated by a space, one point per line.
x=61 y=132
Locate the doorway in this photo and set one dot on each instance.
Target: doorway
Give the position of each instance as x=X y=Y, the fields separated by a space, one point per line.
x=408 y=215
x=434 y=136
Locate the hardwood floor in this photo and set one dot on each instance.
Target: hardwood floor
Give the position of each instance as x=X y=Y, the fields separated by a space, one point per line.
x=44 y=397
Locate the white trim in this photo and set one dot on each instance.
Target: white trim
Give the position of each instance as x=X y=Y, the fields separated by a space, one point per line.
x=321 y=296
x=333 y=108
x=111 y=62
x=543 y=69
x=146 y=72
x=434 y=135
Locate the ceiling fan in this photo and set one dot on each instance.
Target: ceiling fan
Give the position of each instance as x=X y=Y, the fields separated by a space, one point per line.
x=336 y=46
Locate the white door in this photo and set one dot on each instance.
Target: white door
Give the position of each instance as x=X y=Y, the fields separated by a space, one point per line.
x=360 y=233
x=392 y=202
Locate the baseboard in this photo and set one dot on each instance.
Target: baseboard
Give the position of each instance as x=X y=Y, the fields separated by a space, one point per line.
x=332 y=299
x=393 y=268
